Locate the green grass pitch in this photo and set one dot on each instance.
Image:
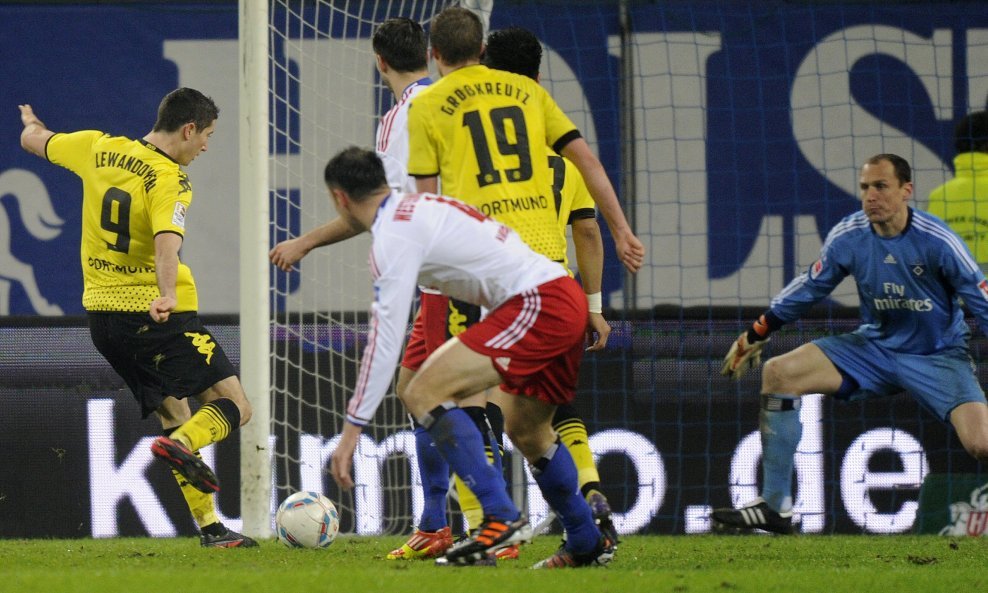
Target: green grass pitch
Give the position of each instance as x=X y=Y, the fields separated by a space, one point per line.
x=677 y=564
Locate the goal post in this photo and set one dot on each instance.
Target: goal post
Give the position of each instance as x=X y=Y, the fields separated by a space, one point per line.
x=255 y=347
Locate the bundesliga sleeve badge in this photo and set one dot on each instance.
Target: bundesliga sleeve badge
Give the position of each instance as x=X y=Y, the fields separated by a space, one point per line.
x=178 y=216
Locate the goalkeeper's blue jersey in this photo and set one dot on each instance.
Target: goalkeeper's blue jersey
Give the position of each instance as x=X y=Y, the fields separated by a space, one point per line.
x=910 y=285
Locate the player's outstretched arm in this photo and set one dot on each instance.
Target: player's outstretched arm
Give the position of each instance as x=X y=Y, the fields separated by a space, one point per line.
x=589 y=247
x=289 y=252
x=630 y=250
x=35 y=135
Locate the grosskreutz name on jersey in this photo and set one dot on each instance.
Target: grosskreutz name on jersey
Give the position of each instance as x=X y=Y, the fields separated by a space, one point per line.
x=460 y=94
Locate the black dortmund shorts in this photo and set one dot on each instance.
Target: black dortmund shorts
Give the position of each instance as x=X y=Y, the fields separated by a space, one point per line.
x=178 y=358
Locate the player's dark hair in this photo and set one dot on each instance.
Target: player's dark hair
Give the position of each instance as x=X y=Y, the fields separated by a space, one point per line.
x=971 y=133
x=903 y=172
x=402 y=44
x=185 y=105
x=515 y=50
x=457 y=34
x=357 y=171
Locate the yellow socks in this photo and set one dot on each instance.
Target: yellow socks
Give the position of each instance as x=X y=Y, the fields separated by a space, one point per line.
x=200 y=504
x=573 y=432
x=212 y=423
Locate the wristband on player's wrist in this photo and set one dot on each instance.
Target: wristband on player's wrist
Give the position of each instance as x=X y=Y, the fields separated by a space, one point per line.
x=763 y=326
x=595 y=303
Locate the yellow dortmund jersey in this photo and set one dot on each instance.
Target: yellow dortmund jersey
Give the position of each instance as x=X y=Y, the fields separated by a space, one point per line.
x=486 y=134
x=573 y=199
x=131 y=192
x=962 y=202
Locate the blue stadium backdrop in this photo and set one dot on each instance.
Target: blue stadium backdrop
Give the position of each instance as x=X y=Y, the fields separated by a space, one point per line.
x=736 y=181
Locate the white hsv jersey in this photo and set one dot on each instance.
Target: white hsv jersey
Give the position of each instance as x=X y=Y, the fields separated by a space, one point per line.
x=392 y=139
x=442 y=243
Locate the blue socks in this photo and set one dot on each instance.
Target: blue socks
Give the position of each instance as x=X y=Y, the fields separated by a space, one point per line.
x=781 y=431
x=461 y=445
x=495 y=422
x=434 y=473
x=556 y=476
x=484 y=422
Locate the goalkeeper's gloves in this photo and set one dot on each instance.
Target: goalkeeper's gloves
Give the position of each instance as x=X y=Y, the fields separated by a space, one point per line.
x=746 y=351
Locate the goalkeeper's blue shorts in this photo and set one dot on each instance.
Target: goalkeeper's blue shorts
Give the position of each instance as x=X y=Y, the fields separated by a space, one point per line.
x=939 y=382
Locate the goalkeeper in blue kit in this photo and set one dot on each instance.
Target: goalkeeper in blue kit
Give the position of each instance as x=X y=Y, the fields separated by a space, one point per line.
x=912 y=274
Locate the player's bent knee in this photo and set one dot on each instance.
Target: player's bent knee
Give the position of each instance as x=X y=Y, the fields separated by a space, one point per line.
x=531 y=440
x=403 y=397
x=405 y=376
x=978 y=449
x=243 y=405
x=246 y=411
x=524 y=442
x=419 y=398
x=770 y=376
x=777 y=376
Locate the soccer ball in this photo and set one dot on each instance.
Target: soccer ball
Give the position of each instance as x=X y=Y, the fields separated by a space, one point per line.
x=307 y=520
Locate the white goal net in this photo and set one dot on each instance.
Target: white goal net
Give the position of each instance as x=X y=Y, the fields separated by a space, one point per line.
x=325 y=95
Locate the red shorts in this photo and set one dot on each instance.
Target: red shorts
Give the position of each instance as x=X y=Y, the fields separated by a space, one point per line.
x=439 y=318
x=427 y=329
x=536 y=340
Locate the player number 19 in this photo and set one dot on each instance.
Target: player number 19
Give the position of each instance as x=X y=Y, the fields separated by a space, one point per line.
x=499 y=118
